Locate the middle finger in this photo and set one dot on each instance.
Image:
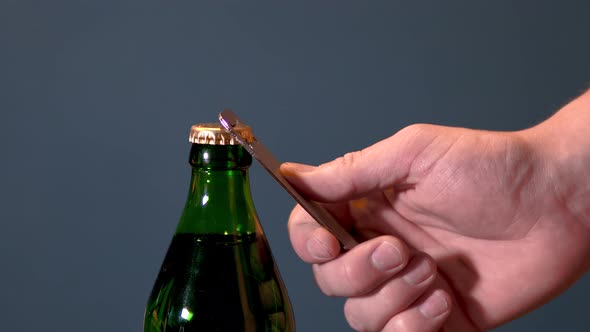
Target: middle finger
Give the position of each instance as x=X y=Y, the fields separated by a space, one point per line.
x=363 y=268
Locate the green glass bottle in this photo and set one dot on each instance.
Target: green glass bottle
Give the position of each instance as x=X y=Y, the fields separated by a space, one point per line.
x=219 y=273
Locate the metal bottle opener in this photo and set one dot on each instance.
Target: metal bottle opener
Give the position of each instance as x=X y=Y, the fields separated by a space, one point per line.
x=228 y=120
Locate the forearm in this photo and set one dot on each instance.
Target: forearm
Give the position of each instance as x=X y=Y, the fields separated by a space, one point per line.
x=563 y=142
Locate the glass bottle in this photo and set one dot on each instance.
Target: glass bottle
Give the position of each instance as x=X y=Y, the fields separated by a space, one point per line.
x=218 y=273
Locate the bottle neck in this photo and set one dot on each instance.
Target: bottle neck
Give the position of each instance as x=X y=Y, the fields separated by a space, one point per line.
x=219 y=200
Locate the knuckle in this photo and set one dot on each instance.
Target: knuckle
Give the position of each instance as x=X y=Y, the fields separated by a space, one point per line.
x=346 y=161
x=414 y=129
x=413 y=133
x=338 y=280
x=398 y=324
x=320 y=279
x=350 y=281
x=351 y=315
x=298 y=215
x=360 y=318
x=390 y=295
x=349 y=159
x=350 y=162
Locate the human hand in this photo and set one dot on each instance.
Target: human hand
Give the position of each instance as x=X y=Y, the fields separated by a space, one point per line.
x=476 y=228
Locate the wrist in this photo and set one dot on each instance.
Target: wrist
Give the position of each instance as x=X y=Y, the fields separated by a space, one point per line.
x=563 y=144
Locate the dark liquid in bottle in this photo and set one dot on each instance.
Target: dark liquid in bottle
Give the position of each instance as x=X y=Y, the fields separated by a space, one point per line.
x=217 y=282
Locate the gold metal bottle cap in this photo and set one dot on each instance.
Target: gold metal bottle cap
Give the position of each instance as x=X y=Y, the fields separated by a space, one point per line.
x=215 y=134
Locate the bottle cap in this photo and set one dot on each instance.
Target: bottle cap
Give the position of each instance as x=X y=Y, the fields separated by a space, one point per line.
x=215 y=134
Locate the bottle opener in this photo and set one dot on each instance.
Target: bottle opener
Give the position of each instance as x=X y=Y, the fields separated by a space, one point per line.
x=228 y=120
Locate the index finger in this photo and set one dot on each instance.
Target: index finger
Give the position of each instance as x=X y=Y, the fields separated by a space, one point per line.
x=312 y=242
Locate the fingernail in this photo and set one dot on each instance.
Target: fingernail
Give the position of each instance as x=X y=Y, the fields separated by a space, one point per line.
x=289 y=169
x=318 y=249
x=386 y=257
x=419 y=273
x=434 y=306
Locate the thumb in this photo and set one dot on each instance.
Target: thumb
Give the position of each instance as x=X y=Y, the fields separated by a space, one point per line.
x=383 y=165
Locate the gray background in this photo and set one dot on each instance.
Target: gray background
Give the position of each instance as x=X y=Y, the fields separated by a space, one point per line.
x=96 y=98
